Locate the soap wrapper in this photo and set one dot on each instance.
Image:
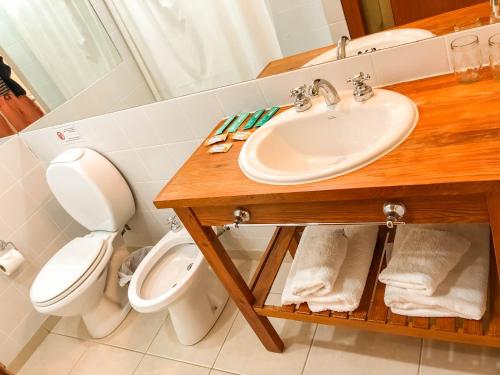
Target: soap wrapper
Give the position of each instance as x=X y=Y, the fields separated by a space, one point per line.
x=215 y=139
x=220 y=148
x=241 y=136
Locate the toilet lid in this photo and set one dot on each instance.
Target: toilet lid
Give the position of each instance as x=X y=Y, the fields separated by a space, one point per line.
x=66 y=268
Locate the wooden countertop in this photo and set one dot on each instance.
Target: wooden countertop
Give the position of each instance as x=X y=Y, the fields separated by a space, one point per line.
x=440 y=24
x=454 y=149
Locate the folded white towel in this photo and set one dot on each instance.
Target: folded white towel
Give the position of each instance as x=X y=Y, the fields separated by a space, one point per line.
x=423 y=260
x=350 y=283
x=319 y=256
x=462 y=293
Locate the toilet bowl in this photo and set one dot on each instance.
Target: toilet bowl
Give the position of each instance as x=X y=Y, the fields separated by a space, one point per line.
x=81 y=278
x=174 y=275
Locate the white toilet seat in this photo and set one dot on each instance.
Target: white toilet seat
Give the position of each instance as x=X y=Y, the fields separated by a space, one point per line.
x=66 y=270
x=165 y=273
x=58 y=284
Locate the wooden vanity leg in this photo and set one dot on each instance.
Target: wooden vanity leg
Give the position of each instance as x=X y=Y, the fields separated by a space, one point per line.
x=494 y=213
x=224 y=268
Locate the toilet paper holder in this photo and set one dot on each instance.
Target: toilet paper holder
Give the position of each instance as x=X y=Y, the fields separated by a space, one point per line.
x=5 y=244
x=10 y=258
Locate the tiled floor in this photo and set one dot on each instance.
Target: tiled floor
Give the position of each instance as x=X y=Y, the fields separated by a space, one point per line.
x=146 y=344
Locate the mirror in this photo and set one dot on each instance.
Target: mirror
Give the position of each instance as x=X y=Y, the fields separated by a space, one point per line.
x=65 y=60
x=50 y=53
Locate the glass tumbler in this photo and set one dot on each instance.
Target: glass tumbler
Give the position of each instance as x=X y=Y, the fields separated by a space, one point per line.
x=467 y=59
x=494 y=51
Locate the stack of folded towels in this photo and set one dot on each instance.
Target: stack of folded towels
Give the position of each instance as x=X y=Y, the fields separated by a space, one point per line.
x=438 y=271
x=330 y=267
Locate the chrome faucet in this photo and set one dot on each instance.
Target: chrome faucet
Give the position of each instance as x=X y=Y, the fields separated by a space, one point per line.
x=341 y=44
x=326 y=89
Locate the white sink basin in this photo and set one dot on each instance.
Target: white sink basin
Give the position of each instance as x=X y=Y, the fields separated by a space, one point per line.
x=381 y=40
x=321 y=143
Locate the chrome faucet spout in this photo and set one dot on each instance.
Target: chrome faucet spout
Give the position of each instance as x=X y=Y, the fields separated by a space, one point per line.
x=326 y=89
x=341 y=44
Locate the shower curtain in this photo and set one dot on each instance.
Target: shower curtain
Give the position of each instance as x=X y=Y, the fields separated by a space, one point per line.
x=62 y=41
x=194 y=45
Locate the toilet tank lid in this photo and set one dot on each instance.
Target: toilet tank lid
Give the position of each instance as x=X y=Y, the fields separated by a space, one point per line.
x=66 y=268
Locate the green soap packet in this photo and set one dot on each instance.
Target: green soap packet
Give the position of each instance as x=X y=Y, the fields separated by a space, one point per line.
x=254 y=119
x=267 y=117
x=236 y=124
x=225 y=125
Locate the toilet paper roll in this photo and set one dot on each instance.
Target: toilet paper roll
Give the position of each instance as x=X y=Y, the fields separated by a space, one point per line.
x=10 y=262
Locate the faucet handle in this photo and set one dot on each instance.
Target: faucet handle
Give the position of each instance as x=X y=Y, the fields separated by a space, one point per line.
x=359 y=79
x=298 y=92
x=362 y=91
x=302 y=101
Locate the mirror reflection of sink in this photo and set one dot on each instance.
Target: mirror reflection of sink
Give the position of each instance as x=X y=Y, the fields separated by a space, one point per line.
x=321 y=143
x=377 y=41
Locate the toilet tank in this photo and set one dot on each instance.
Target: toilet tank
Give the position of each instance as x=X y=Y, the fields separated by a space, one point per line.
x=91 y=189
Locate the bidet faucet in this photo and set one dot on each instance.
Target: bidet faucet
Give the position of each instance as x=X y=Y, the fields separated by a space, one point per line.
x=341 y=44
x=326 y=89
x=175 y=224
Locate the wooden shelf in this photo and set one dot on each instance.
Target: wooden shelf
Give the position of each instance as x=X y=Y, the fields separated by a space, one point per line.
x=372 y=313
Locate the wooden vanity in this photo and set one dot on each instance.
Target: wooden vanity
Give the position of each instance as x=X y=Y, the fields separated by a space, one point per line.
x=447 y=171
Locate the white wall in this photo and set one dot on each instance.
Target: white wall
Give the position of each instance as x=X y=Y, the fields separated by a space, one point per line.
x=38 y=226
x=123 y=87
x=302 y=25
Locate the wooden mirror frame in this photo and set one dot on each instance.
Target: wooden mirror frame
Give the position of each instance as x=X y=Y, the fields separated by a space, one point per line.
x=405 y=11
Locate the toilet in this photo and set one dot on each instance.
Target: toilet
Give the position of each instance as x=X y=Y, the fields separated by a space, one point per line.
x=175 y=276
x=81 y=278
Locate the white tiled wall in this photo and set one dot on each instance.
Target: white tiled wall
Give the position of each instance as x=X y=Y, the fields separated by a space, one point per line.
x=302 y=25
x=32 y=219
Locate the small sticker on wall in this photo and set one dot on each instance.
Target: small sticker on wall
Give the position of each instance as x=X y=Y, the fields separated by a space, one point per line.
x=68 y=134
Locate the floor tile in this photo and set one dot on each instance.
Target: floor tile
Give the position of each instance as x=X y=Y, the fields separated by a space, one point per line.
x=135 y=333
x=243 y=353
x=151 y=365
x=71 y=326
x=204 y=352
x=57 y=355
x=246 y=267
x=218 y=372
x=445 y=358
x=107 y=360
x=339 y=350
